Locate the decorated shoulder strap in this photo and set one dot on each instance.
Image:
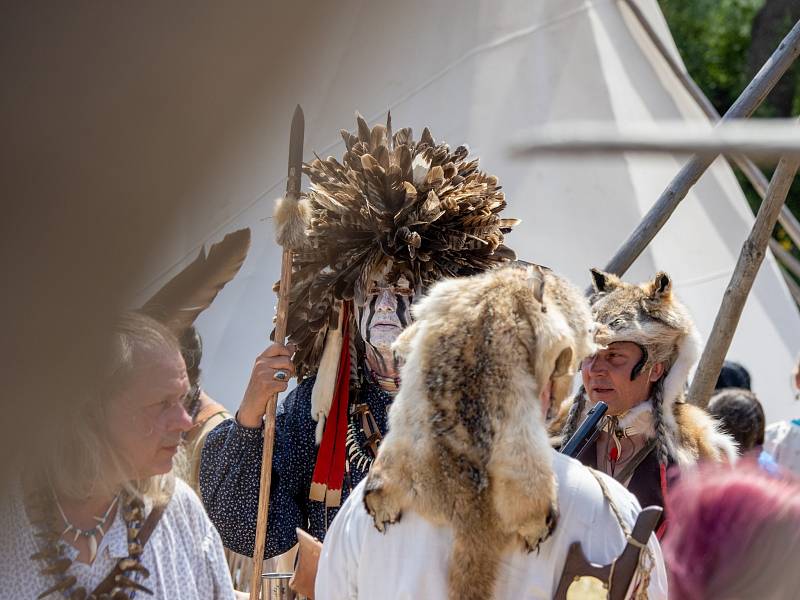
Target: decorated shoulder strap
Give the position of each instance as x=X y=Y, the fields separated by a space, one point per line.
x=111 y=581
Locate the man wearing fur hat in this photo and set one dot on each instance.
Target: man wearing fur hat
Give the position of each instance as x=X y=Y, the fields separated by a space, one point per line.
x=650 y=346
x=394 y=216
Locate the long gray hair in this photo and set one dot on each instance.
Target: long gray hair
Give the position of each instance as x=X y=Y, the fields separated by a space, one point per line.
x=84 y=460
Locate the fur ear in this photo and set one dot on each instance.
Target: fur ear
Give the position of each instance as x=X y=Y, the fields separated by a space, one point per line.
x=661 y=285
x=563 y=363
x=602 y=281
x=537 y=282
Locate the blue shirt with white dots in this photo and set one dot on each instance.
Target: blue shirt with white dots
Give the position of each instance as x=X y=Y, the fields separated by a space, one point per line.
x=230 y=472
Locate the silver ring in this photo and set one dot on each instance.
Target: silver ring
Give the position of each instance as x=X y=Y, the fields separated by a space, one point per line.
x=280 y=376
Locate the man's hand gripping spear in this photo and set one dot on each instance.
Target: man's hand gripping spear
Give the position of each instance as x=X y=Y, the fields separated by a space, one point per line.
x=289 y=233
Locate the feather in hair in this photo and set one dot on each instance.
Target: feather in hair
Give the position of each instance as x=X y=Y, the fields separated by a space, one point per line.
x=179 y=302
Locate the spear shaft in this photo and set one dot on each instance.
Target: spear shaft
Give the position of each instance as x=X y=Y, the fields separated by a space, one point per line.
x=289 y=230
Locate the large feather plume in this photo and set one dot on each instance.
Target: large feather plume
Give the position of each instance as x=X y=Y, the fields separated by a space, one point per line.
x=396 y=205
x=191 y=291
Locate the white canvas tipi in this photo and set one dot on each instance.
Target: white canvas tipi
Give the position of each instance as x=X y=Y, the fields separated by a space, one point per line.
x=479 y=72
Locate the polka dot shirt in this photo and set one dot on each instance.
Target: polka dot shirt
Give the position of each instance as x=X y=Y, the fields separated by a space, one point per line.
x=231 y=466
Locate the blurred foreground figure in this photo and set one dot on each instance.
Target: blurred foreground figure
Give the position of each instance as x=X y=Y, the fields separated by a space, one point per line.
x=734 y=533
x=650 y=346
x=393 y=216
x=741 y=416
x=465 y=486
x=106 y=516
x=782 y=439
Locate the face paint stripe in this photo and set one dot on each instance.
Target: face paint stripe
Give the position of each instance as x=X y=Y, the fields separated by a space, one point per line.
x=370 y=316
x=402 y=311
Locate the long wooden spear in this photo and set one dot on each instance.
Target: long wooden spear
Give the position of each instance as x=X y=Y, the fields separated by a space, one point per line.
x=747 y=266
x=289 y=233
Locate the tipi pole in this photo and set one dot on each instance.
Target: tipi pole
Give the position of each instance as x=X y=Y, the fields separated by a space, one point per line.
x=745 y=105
x=750 y=258
x=754 y=175
x=790 y=262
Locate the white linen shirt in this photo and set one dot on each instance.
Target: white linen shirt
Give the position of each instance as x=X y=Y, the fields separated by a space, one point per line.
x=410 y=559
x=184 y=554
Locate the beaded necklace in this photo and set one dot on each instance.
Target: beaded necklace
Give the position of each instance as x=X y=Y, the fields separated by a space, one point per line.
x=41 y=510
x=91 y=533
x=361 y=419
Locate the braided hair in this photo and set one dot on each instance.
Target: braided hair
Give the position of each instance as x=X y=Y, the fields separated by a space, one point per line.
x=573 y=418
x=657 y=399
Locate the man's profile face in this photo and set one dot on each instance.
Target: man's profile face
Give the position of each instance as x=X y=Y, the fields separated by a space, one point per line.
x=383 y=317
x=146 y=419
x=607 y=377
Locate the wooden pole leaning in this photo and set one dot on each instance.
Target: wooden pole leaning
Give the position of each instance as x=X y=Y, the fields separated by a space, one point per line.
x=750 y=259
x=753 y=174
x=785 y=257
x=790 y=265
x=290 y=221
x=783 y=57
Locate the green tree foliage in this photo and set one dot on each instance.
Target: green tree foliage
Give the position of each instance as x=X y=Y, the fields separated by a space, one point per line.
x=723 y=43
x=713 y=37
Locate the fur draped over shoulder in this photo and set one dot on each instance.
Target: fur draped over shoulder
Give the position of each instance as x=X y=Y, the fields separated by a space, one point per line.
x=467 y=444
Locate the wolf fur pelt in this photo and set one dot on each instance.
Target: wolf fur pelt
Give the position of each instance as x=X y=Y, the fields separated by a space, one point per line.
x=467 y=446
x=650 y=315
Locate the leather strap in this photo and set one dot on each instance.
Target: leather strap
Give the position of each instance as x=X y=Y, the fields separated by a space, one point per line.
x=208 y=411
x=145 y=532
x=629 y=468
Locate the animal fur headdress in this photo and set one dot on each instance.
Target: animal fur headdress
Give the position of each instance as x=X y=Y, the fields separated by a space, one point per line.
x=649 y=315
x=395 y=206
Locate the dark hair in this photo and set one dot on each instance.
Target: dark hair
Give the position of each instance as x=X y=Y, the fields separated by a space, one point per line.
x=733 y=375
x=192 y=352
x=741 y=415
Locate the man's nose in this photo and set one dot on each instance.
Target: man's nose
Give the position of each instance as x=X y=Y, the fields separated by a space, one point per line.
x=387 y=301
x=596 y=364
x=181 y=421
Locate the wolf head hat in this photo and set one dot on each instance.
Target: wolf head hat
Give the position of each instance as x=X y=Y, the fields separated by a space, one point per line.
x=649 y=315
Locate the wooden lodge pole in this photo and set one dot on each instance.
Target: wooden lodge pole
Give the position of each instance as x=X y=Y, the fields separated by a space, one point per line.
x=753 y=174
x=753 y=95
x=750 y=258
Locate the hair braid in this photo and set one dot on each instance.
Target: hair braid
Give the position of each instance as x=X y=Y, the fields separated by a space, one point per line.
x=575 y=411
x=354 y=356
x=662 y=446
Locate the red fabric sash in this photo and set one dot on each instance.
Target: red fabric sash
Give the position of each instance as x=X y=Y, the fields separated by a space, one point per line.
x=326 y=483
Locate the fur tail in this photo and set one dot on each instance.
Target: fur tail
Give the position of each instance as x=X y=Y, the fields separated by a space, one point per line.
x=473 y=566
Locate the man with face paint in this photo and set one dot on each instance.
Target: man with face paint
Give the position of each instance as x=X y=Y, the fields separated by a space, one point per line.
x=379 y=323
x=388 y=219
x=650 y=345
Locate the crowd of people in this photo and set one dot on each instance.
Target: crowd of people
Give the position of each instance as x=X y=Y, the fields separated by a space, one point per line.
x=421 y=443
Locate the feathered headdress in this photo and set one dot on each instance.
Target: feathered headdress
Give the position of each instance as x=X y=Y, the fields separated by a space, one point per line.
x=396 y=206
